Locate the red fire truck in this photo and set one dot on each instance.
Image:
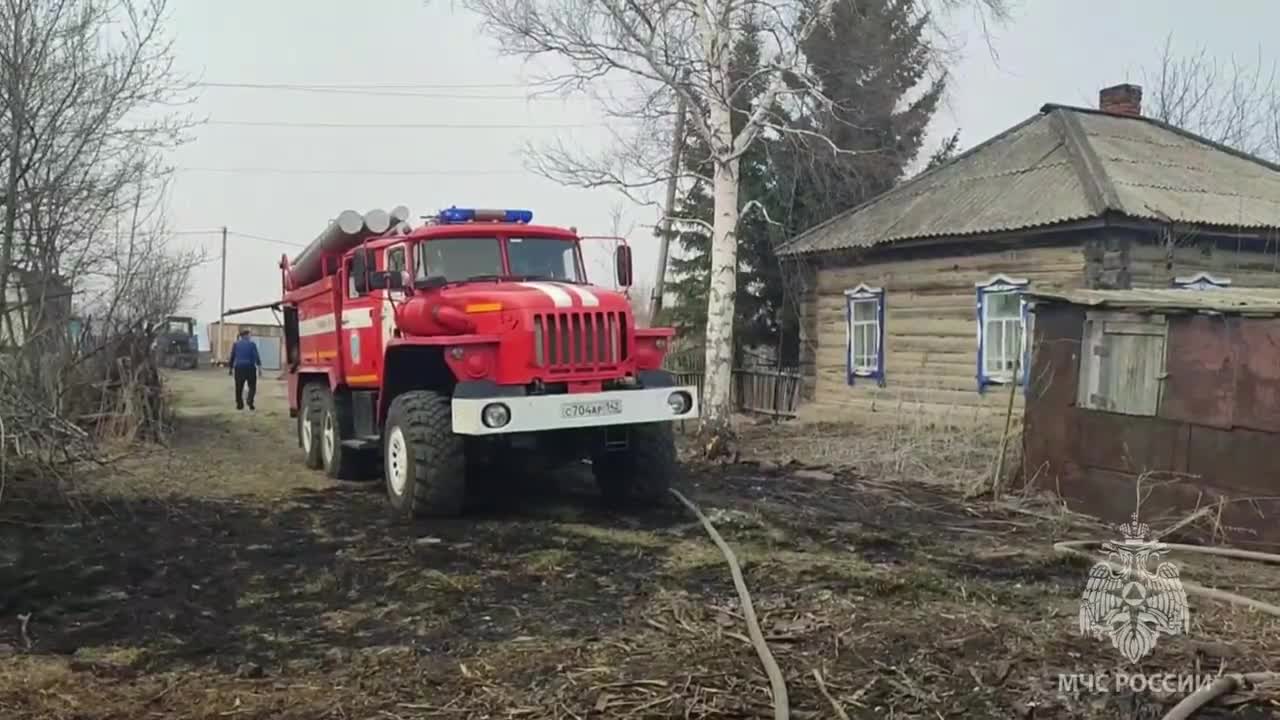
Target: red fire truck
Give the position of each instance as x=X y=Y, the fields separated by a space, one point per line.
x=472 y=338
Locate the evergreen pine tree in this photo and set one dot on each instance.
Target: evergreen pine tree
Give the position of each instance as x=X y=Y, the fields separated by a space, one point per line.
x=873 y=60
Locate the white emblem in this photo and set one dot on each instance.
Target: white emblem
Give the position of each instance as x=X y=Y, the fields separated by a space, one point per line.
x=1124 y=600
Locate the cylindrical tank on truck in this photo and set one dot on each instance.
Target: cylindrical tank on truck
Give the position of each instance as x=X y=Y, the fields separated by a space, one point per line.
x=473 y=344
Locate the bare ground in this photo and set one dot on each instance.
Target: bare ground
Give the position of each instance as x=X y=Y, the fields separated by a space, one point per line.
x=219 y=578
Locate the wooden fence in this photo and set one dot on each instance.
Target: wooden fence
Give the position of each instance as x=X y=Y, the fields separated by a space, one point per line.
x=765 y=392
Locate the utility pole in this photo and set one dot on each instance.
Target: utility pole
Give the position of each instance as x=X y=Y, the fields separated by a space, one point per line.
x=673 y=169
x=222 y=302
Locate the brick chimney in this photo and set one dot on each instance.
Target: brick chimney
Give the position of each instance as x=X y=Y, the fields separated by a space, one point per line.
x=1123 y=99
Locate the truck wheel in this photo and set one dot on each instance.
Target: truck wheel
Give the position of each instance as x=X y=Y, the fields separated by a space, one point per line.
x=340 y=463
x=640 y=474
x=424 y=461
x=309 y=426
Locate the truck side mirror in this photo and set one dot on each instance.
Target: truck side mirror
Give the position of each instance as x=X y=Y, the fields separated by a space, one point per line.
x=361 y=265
x=386 y=280
x=431 y=282
x=622 y=264
x=359 y=279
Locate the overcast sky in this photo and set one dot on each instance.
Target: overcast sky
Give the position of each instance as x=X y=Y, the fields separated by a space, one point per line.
x=285 y=183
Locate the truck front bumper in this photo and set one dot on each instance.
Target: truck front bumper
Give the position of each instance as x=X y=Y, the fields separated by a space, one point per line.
x=532 y=413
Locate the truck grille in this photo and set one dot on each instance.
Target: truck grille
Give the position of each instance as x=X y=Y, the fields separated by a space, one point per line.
x=568 y=341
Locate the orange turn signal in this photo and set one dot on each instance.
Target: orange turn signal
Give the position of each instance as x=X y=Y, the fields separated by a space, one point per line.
x=484 y=307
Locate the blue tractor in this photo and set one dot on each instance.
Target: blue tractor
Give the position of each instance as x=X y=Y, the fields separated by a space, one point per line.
x=176 y=344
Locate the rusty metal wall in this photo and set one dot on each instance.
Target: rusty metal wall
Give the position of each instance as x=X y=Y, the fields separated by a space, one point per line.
x=1214 y=438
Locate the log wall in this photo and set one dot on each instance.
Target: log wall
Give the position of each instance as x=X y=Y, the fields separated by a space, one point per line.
x=1256 y=264
x=931 y=342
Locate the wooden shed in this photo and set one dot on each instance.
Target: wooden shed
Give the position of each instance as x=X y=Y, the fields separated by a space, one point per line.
x=913 y=302
x=1177 y=388
x=269 y=339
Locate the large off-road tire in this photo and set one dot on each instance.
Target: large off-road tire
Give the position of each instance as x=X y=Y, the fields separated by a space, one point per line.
x=309 y=425
x=340 y=463
x=639 y=475
x=424 y=461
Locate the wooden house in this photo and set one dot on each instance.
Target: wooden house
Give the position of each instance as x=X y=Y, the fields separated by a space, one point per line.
x=1174 y=391
x=913 y=302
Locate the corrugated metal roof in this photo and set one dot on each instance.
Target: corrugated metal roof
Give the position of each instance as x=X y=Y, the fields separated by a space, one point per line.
x=1159 y=172
x=1061 y=165
x=1225 y=300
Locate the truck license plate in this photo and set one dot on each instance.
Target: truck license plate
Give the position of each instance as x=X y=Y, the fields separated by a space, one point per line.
x=594 y=408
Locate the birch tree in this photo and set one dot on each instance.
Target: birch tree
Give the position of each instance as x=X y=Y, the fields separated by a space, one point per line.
x=664 y=52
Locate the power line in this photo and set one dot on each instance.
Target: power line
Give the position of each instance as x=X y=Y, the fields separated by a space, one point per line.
x=402 y=126
x=261 y=238
x=337 y=90
x=218 y=231
x=362 y=86
x=319 y=171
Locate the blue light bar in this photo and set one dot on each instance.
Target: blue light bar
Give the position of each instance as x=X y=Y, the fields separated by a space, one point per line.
x=462 y=215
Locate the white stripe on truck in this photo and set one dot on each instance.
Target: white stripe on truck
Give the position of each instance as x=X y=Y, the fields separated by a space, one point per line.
x=559 y=297
x=587 y=297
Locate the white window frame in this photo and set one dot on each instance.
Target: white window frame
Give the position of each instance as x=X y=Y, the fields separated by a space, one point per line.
x=1001 y=285
x=349 y=264
x=1201 y=281
x=854 y=368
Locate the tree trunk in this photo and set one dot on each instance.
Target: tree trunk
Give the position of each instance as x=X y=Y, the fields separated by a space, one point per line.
x=14 y=82
x=716 y=431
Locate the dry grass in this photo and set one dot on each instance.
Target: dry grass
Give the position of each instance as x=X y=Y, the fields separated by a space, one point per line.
x=907 y=437
x=247 y=587
x=914 y=448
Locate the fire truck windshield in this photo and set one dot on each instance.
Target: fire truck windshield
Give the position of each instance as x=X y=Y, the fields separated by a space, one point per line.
x=460 y=259
x=548 y=258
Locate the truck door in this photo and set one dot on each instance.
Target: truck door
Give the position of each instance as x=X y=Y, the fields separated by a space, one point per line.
x=359 y=334
x=395 y=259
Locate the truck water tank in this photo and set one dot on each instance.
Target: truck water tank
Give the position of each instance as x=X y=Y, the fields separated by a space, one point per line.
x=348 y=230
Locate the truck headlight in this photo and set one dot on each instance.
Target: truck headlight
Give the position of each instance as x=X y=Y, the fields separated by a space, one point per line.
x=495 y=415
x=679 y=402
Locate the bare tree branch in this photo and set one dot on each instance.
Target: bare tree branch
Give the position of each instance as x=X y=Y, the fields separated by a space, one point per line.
x=1230 y=102
x=681 y=49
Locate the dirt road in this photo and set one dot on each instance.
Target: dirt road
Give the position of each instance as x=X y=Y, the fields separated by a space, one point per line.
x=219 y=578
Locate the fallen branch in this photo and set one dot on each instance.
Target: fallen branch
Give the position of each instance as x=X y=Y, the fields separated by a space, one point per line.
x=1074 y=547
x=1223 y=685
x=1186 y=521
x=822 y=688
x=778 y=685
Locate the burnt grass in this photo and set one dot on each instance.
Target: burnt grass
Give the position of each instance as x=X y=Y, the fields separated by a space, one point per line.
x=219 y=578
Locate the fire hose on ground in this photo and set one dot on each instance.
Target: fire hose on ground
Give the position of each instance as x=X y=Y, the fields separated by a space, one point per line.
x=1227 y=683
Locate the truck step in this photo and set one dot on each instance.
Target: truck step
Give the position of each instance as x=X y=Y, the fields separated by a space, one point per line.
x=362 y=443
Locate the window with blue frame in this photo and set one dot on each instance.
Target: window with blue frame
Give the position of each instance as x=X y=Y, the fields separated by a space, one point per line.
x=1201 y=281
x=864 y=317
x=1002 y=331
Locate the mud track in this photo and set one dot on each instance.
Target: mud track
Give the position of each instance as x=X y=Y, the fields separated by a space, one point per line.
x=219 y=578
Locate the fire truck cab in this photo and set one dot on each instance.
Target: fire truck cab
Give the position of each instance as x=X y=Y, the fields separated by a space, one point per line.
x=467 y=345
